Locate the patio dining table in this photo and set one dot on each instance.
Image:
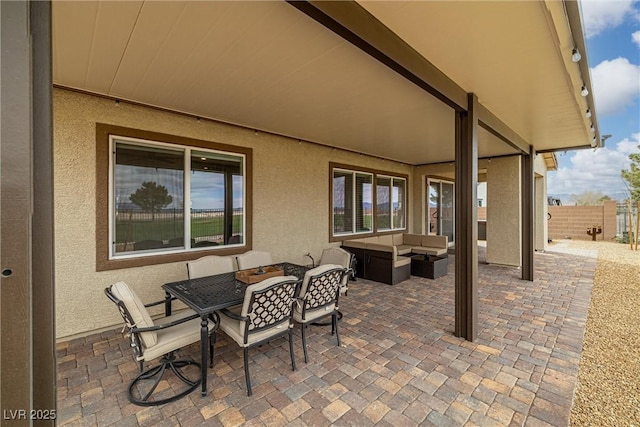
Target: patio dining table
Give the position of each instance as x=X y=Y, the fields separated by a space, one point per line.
x=207 y=294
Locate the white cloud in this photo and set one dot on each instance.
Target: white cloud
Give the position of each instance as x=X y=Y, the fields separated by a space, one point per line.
x=628 y=146
x=636 y=38
x=616 y=85
x=599 y=15
x=598 y=170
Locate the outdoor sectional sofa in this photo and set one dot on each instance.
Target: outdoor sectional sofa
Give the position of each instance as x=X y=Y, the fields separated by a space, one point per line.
x=385 y=258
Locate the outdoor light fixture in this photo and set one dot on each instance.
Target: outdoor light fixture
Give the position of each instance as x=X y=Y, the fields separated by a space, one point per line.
x=575 y=55
x=593 y=142
x=593 y=129
x=588 y=113
x=584 y=91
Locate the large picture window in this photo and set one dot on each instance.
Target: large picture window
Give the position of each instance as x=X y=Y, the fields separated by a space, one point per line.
x=155 y=189
x=364 y=202
x=170 y=198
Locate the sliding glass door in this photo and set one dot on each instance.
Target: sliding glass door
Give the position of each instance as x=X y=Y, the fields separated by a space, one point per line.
x=440 y=208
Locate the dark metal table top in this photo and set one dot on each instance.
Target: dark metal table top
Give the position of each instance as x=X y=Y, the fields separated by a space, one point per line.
x=207 y=294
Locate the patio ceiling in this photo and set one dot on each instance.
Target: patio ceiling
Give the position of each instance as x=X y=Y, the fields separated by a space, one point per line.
x=267 y=66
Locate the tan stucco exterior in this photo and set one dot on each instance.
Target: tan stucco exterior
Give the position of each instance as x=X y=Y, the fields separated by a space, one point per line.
x=290 y=199
x=503 y=211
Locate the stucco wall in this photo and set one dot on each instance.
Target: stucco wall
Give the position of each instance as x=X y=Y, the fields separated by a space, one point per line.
x=572 y=221
x=503 y=211
x=290 y=193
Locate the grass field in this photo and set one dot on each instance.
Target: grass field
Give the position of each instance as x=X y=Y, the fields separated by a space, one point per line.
x=165 y=227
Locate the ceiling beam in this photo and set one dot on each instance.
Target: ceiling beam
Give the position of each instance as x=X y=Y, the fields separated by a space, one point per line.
x=497 y=127
x=352 y=22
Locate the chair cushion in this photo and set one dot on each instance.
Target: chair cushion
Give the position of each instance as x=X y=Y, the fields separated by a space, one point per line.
x=335 y=256
x=236 y=328
x=314 y=272
x=175 y=337
x=253 y=259
x=340 y=257
x=210 y=265
x=312 y=314
x=137 y=310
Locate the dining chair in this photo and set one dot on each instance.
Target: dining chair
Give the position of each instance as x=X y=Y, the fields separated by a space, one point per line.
x=264 y=315
x=318 y=298
x=210 y=265
x=151 y=340
x=252 y=259
x=341 y=257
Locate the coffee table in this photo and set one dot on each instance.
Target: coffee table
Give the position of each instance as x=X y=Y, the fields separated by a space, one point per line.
x=429 y=266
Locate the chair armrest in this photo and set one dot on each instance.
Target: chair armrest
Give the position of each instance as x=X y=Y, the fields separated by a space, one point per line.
x=164 y=325
x=232 y=315
x=164 y=301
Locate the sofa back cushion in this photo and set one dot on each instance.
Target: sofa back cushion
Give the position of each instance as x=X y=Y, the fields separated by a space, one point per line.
x=382 y=248
x=434 y=241
x=385 y=240
x=411 y=239
x=398 y=239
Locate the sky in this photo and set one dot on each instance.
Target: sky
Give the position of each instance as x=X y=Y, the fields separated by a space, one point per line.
x=612 y=33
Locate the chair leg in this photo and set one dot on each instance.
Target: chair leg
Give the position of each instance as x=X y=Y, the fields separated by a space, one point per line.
x=304 y=342
x=293 y=360
x=212 y=342
x=334 y=321
x=156 y=374
x=246 y=371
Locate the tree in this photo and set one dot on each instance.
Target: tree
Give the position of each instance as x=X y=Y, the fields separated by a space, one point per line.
x=151 y=197
x=589 y=198
x=632 y=176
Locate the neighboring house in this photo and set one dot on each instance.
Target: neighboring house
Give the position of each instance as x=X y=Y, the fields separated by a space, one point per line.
x=308 y=122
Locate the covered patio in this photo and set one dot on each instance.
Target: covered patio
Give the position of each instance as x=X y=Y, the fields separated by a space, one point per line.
x=297 y=95
x=400 y=363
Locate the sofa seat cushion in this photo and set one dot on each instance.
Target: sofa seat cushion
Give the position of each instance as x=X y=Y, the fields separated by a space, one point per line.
x=401 y=261
x=424 y=250
x=404 y=249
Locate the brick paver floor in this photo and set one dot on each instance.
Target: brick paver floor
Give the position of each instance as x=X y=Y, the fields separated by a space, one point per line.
x=399 y=364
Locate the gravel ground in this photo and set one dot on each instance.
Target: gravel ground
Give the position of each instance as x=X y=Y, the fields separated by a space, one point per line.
x=608 y=391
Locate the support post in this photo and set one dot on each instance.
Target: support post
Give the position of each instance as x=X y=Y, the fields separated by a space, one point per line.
x=466 y=268
x=528 y=208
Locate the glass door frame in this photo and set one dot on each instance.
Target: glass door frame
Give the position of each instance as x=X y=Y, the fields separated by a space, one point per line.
x=437 y=221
